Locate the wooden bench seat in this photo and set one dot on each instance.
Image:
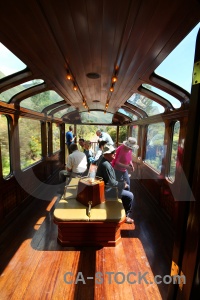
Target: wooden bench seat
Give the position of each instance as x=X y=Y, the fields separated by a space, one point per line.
x=78 y=228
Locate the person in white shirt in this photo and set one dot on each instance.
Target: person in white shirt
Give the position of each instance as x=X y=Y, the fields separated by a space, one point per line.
x=104 y=136
x=76 y=164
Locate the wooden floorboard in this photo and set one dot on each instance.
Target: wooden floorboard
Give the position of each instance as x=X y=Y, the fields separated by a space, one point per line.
x=34 y=266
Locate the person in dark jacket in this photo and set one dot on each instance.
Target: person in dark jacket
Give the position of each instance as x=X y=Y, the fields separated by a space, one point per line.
x=107 y=172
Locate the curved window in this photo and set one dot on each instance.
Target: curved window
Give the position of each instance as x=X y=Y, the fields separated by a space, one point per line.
x=9 y=63
x=175 y=151
x=149 y=106
x=155 y=145
x=55 y=137
x=128 y=114
x=39 y=101
x=8 y=94
x=178 y=65
x=95 y=116
x=4 y=143
x=64 y=111
x=175 y=103
x=30 y=141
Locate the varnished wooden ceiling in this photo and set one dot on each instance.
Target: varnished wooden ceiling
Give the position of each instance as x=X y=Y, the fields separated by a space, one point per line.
x=128 y=37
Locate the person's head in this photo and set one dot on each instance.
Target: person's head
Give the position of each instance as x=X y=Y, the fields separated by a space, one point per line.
x=73 y=147
x=130 y=144
x=70 y=128
x=87 y=145
x=109 y=152
x=98 y=132
x=81 y=142
x=102 y=144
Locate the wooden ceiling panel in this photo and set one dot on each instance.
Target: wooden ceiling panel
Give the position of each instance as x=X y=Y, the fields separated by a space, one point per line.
x=96 y=36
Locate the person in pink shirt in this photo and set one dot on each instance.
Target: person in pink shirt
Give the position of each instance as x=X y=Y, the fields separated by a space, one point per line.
x=122 y=163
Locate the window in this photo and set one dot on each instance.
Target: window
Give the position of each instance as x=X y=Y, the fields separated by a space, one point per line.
x=55 y=137
x=9 y=63
x=4 y=143
x=128 y=114
x=8 y=94
x=175 y=156
x=134 y=134
x=39 y=101
x=178 y=65
x=30 y=141
x=175 y=103
x=149 y=106
x=155 y=145
x=122 y=134
x=95 y=116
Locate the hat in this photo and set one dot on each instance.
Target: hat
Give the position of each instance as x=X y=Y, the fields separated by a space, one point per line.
x=108 y=149
x=131 y=143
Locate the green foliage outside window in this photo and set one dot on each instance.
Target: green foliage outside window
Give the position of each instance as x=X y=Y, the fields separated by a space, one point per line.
x=4 y=143
x=30 y=141
x=155 y=145
x=174 y=151
x=56 y=137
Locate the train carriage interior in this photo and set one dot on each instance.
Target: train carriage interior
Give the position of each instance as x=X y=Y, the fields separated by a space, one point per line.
x=132 y=69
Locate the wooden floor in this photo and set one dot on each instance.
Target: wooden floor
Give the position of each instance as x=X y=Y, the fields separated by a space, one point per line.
x=34 y=266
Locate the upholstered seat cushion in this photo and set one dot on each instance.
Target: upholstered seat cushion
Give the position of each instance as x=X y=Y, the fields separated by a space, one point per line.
x=71 y=210
x=109 y=211
x=71 y=189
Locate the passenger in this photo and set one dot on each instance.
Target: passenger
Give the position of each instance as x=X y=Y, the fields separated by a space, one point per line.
x=81 y=145
x=70 y=138
x=99 y=153
x=89 y=153
x=122 y=163
x=76 y=164
x=104 y=136
x=106 y=171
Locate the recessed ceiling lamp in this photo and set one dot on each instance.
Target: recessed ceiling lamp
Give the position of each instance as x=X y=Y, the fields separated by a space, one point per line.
x=93 y=75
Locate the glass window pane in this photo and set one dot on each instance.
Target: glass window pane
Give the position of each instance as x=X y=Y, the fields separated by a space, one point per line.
x=95 y=116
x=174 y=153
x=128 y=113
x=30 y=141
x=62 y=112
x=178 y=65
x=155 y=145
x=149 y=106
x=134 y=134
x=8 y=94
x=39 y=101
x=176 y=103
x=56 y=137
x=9 y=63
x=122 y=134
x=4 y=143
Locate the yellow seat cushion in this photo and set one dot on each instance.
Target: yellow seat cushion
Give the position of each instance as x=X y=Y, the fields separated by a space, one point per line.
x=74 y=181
x=71 y=210
x=71 y=192
x=109 y=211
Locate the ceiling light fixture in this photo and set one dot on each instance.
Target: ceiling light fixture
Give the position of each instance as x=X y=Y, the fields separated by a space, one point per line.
x=68 y=76
x=112 y=88
x=114 y=79
x=75 y=88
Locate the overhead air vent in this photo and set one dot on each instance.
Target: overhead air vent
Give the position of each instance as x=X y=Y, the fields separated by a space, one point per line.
x=93 y=75
x=96 y=101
